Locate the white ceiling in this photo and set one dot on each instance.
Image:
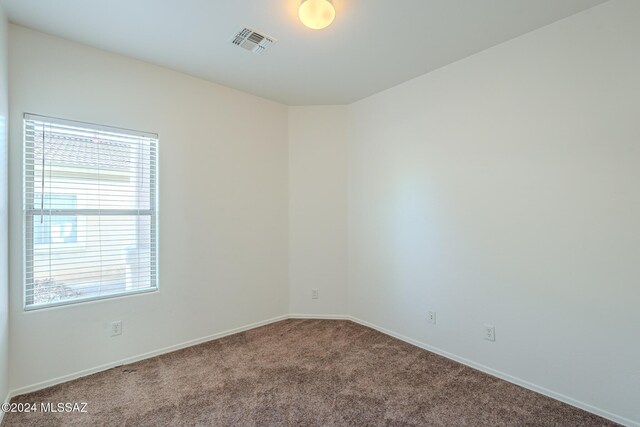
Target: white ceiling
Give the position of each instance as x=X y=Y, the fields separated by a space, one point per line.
x=372 y=44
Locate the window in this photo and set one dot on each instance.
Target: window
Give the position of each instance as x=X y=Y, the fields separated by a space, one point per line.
x=89 y=210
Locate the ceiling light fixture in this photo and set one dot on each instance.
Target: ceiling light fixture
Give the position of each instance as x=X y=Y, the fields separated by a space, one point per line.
x=316 y=14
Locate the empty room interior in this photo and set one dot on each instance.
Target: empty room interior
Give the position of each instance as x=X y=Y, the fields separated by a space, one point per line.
x=320 y=213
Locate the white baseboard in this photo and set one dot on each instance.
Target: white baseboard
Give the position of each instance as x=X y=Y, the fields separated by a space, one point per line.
x=517 y=381
x=320 y=316
x=470 y=363
x=169 y=349
x=6 y=400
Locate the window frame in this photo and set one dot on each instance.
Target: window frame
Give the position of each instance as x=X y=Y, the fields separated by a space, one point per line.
x=28 y=218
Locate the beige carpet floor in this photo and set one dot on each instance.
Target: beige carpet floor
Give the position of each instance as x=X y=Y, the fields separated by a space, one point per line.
x=299 y=373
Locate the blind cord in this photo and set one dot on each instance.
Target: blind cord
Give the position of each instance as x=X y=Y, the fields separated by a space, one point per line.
x=42 y=185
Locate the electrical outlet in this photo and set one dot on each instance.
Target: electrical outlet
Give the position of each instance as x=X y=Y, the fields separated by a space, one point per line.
x=314 y=293
x=431 y=317
x=116 y=328
x=489 y=332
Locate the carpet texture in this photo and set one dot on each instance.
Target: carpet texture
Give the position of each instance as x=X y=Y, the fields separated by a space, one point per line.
x=299 y=373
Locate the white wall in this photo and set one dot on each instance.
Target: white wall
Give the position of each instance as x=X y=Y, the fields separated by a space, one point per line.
x=223 y=205
x=318 y=210
x=504 y=189
x=4 y=231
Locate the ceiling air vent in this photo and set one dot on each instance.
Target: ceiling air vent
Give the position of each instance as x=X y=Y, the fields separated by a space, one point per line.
x=252 y=40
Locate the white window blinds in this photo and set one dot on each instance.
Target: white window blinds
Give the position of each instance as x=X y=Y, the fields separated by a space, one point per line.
x=89 y=210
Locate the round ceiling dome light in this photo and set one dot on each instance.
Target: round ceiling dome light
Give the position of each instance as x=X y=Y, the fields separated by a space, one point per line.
x=316 y=14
